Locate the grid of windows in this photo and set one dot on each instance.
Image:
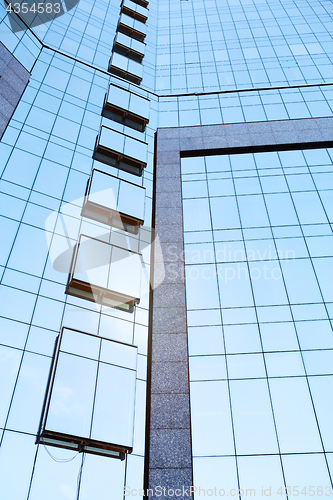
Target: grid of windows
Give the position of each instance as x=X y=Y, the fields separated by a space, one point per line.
x=250 y=106
x=258 y=237
x=23 y=44
x=46 y=160
x=258 y=260
x=204 y=46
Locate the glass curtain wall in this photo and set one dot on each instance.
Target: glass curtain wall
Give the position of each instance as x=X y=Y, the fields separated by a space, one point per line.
x=46 y=158
x=259 y=215
x=258 y=259
x=221 y=44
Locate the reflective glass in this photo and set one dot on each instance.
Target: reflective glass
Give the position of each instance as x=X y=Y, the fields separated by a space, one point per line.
x=253 y=418
x=309 y=472
x=296 y=425
x=210 y=412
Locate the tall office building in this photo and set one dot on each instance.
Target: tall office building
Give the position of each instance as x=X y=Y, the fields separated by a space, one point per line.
x=166 y=249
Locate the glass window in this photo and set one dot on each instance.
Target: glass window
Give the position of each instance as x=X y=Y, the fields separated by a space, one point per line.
x=52 y=477
x=242 y=338
x=30 y=251
x=210 y=410
x=234 y=282
x=221 y=187
x=315 y=334
x=22 y=461
x=51 y=179
x=224 y=213
x=309 y=208
x=253 y=417
x=83 y=411
x=230 y=252
x=215 y=472
x=309 y=471
x=246 y=366
x=105 y=273
x=29 y=391
x=8 y=228
x=13 y=333
x=102 y=478
x=324 y=268
x=126 y=68
x=321 y=388
x=280 y=209
x=252 y=211
x=260 y=249
x=118 y=150
x=279 y=336
x=199 y=253
x=205 y=340
x=295 y=420
x=28 y=173
x=318 y=362
x=300 y=281
x=284 y=364
x=17 y=304
x=207 y=368
x=262 y=475
x=114 y=201
x=201 y=287
x=267 y=282
x=9 y=363
x=291 y=248
x=194 y=189
x=196 y=215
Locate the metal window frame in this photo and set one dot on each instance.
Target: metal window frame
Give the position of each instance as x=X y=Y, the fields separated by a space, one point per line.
x=133 y=13
x=109 y=216
x=123 y=116
x=69 y=441
x=117 y=159
x=95 y=293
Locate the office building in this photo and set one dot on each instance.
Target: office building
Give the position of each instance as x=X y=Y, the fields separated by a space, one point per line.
x=188 y=142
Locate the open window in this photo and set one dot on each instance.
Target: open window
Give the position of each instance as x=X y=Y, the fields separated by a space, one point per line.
x=126 y=107
x=132 y=27
x=115 y=202
x=134 y=10
x=129 y=47
x=143 y=3
x=121 y=151
x=104 y=273
x=126 y=68
x=90 y=395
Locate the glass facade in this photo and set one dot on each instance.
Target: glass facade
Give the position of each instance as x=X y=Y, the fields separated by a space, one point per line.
x=46 y=157
x=258 y=260
x=79 y=171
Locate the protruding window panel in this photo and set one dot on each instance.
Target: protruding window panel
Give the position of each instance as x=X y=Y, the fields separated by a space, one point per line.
x=114 y=201
x=121 y=151
x=125 y=68
x=105 y=273
x=90 y=396
x=129 y=47
x=127 y=108
x=134 y=10
x=132 y=27
x=143 y=3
